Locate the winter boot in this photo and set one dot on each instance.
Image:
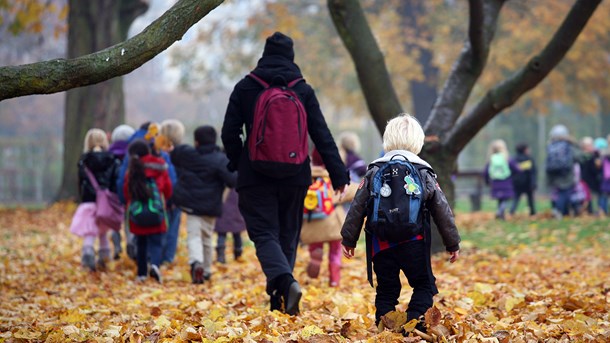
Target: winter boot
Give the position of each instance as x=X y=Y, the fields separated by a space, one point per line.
x=220 y=255
x=313 y=268
x=197 y=272
x=116 y=242
x=103 y=257
x=237 y=253
x=88 y=258
x=335 y=274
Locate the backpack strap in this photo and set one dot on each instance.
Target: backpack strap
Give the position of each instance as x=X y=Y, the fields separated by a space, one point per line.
x=258 y=80
x=266 y=85
x=92 y=178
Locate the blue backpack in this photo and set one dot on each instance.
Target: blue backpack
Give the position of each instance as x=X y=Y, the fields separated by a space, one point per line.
x=396 y=203
x=559 y=158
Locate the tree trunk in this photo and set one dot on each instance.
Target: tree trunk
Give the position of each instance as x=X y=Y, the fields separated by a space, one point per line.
x=423 y=93
x=350 y=22
x=93 y=26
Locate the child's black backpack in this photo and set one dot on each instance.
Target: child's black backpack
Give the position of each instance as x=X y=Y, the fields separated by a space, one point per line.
x=559 y=158
x=396 y=203
x=148 y=212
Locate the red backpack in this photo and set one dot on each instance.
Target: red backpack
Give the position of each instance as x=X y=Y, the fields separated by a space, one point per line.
x=278 y=144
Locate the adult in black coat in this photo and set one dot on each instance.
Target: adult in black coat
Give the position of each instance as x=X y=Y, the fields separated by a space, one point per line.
x=273 y=207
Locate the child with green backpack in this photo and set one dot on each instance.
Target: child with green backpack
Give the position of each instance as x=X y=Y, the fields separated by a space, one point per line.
x=147 y=186
x=498 y=175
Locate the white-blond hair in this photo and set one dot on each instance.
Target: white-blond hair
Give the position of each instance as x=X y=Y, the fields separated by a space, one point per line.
x=350 y=141
x=498 y=146
x=174 y=130
x=95 y=138
x=403 y=133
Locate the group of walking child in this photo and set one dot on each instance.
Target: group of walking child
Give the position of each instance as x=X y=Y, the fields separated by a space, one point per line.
x=575 y=174
x=272 y=172
x=138 y=168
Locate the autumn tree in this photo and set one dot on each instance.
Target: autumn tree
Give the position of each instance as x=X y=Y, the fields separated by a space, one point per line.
x=93 y=67
x=94 y=26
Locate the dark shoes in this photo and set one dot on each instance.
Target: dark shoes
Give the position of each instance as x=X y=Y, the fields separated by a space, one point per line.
x=286 y=296
x=292 y=299
x=197 y=272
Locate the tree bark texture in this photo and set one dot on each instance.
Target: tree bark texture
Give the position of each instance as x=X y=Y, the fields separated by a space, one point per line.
x=423 y=92
x=350 y=22
x=63 y=74
x=93 y=26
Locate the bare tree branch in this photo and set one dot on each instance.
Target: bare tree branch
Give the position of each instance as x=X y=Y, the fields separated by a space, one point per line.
x=351 y=24
x=62 y=74
x=468 y=67
x=510 y=90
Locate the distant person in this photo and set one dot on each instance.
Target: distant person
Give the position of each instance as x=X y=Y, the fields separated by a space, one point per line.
x=147 y=182
x=605 y=173
x=202 y=178
x=561 y=155
x=119 y=140
x=403 y=139
x=499 y=171
x=525 y=182
x=580 y=198
x=590 y=171
x=350 y=143
x=230 y=222
x=104 y=166
x=271 y=200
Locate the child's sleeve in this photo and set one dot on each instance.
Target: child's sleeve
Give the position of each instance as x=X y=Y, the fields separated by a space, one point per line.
x=356 y=214
x=442 y=214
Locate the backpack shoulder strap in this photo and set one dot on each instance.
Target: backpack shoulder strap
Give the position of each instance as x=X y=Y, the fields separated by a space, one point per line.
x=258 y=80
x=295 y=81
x=92 y=178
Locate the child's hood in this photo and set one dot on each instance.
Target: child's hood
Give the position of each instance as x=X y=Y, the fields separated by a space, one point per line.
x=153 y=165
x=409 y=155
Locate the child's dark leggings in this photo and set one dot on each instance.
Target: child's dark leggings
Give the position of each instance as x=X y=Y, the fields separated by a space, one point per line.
x=414 y=260
x=149 y=250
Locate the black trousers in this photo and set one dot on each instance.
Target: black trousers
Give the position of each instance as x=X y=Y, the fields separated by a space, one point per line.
x=273 y=216
x=413 y=258
x=530 y=200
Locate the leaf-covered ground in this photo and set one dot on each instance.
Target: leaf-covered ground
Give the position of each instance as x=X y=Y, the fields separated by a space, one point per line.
x=555 y=290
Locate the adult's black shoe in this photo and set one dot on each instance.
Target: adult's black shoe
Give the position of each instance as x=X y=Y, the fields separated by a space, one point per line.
x=292 y=299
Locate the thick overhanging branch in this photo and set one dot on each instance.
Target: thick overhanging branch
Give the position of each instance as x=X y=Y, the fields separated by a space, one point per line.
x=468 y=67
x=350 y=22
x=62 y=74
x=510 y=90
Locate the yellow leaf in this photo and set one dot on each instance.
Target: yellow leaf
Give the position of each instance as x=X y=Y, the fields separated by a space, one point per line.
x=511 y=302
x=162 y=322
x=310 y=330
x=26 y=334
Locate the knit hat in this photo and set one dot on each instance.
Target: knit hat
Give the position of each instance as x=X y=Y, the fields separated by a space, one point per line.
x=279 y=44
x=122 y=133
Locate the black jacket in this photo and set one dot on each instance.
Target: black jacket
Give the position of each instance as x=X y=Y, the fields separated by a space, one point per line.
x=525 y=181
x=435 y=202
x=240 y=112
x=105 y=167
x=202 y=178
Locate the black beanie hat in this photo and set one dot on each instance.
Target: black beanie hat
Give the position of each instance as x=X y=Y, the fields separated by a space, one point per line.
x=205 y=135
x=279 y=44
